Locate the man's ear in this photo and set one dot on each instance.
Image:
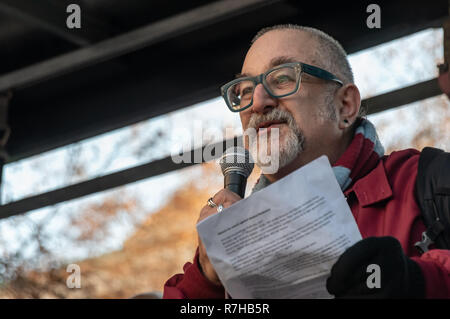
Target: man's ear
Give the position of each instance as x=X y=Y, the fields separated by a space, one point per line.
x=349 y=102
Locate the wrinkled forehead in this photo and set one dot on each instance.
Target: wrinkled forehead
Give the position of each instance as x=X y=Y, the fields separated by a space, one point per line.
x=278 y=46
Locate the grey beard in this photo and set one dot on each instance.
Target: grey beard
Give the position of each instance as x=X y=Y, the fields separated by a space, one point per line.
x=290 y=146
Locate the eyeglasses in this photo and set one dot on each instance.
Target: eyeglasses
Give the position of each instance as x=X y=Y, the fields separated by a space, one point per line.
x=279 y=82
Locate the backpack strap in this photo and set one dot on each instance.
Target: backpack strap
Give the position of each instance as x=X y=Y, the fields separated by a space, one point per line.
x=433 y=196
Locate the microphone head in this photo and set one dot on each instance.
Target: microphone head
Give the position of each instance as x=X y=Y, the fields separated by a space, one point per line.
x=237 y=160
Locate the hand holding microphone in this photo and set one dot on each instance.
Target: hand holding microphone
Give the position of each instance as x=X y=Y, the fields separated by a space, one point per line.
x=236 y=167
x=226 y=198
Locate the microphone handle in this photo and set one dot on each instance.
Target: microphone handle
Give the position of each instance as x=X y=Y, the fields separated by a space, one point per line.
x=236 y=183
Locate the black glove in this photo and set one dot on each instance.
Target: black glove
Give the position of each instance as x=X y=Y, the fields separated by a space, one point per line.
x=401 y=277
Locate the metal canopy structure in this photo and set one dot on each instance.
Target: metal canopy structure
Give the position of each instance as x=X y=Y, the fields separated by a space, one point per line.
x=134 y=60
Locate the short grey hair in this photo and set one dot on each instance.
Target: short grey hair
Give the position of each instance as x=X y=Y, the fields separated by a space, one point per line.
x=330 y=54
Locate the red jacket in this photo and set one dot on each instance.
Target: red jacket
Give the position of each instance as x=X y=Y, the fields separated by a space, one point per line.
x=383 y=204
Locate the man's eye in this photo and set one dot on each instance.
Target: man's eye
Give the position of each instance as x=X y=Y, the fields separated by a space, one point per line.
x=245 y=92
x=282 y=79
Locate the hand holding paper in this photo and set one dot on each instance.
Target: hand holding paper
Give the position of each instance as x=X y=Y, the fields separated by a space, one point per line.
x=401 y=276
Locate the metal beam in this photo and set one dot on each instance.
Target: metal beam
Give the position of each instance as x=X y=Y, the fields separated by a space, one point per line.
x=51 y=17
x=376 y=104
x=406 y=95
x=113 y=180
x=5 y=131
x=128 y=42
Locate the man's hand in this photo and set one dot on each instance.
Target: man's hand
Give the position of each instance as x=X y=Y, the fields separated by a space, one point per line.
x=401 y=277
x=226 y=198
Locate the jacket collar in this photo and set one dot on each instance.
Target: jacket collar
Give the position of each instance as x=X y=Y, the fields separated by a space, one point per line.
x=372 y=188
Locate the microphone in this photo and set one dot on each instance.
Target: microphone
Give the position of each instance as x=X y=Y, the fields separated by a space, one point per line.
x=236 y=166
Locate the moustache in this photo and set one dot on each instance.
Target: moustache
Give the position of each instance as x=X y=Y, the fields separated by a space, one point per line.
x=275 y=115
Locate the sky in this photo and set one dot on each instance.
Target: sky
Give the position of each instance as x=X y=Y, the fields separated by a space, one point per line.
x=377 y=70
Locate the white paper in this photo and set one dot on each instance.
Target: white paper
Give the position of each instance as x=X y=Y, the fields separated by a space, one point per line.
x=282 y=241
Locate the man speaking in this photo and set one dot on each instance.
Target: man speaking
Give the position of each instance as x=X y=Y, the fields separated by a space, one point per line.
x=299 y=81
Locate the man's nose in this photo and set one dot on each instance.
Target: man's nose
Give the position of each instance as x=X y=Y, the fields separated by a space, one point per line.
x=262 y=101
